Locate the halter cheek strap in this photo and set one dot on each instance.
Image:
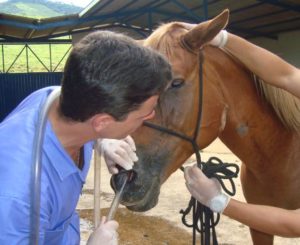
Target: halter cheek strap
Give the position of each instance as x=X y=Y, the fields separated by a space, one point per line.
x=204 y=221
x=193 y=139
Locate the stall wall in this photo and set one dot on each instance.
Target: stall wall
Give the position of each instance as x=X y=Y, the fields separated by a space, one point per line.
x=14 y=87
x=287 y=46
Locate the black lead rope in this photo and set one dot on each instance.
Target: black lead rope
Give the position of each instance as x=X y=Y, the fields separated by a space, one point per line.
x=202 y=215
x=204 y=220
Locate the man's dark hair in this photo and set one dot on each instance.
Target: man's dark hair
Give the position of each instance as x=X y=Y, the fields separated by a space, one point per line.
x=110 y=73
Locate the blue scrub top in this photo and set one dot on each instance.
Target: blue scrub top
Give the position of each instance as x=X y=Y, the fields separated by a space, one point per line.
x=61 y=180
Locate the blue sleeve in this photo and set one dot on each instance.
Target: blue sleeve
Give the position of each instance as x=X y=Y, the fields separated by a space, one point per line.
x=15 y=225
x=14 y=221
x=72 y=234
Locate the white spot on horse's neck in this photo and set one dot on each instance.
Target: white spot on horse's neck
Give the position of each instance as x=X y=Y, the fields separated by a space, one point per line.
x=242 y=128
x=223 y=118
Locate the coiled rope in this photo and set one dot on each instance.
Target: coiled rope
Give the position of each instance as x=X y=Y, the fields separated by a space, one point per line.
x=204 y=220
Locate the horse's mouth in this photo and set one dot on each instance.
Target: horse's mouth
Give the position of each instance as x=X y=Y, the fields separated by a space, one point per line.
x=149 y=201
x=138 y=195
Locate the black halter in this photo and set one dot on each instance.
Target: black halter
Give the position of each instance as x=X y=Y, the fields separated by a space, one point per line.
x=193 y=139
x=202 y=215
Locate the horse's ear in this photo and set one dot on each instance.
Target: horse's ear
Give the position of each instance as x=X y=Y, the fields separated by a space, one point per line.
x=206 y=31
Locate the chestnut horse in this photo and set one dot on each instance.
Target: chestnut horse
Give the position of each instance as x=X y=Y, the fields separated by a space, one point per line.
x=253 y=123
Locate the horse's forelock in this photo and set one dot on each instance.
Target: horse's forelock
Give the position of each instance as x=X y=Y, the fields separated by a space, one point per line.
x=162 y=38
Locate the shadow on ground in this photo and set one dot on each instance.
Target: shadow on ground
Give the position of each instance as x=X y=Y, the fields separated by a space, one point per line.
x=136 y=228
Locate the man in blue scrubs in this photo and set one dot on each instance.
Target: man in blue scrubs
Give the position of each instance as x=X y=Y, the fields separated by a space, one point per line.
x=110 y=86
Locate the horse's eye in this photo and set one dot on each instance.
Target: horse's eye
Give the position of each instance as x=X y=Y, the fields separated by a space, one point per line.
x=177 y=83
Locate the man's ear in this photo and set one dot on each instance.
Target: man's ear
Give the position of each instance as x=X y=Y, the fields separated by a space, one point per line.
x=101 y=121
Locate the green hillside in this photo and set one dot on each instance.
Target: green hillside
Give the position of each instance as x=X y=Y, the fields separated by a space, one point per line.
x=37 y=8
x=30 y=10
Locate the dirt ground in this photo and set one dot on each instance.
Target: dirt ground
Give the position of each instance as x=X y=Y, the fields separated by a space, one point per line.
x=162 y=225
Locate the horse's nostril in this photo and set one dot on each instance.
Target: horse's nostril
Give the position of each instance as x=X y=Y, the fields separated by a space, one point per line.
x=131 y=175
x=118 y=179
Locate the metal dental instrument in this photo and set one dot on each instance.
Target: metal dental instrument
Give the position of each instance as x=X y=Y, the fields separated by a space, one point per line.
x=36 y=166
x=116 y=201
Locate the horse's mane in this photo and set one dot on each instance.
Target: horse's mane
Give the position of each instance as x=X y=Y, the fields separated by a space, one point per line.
x=285 y=105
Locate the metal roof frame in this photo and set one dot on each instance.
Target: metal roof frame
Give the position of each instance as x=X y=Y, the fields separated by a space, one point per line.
x=249 y=18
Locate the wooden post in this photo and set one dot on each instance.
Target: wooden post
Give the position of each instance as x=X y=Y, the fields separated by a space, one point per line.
x=97 y=189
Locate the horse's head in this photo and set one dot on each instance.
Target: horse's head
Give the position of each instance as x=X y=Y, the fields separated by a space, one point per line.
x=160 y=153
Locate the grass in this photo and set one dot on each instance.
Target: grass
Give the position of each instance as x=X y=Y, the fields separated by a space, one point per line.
x=42 y=51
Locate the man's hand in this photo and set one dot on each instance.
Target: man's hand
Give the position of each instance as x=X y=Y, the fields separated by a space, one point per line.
x=106 y=233
x=118 y=152
x=206 y=191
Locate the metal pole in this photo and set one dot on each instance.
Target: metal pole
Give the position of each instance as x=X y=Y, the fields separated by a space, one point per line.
x=27 y=61
x=205 y=9
x=50 y=55
x=3 y=61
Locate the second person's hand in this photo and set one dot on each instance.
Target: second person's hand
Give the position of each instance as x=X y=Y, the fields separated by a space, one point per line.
x=207 y=191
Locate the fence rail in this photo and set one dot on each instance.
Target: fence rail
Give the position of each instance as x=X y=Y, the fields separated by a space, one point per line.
x=33 y=57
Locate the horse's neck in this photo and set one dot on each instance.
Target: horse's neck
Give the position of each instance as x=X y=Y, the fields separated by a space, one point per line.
x=252 y=131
